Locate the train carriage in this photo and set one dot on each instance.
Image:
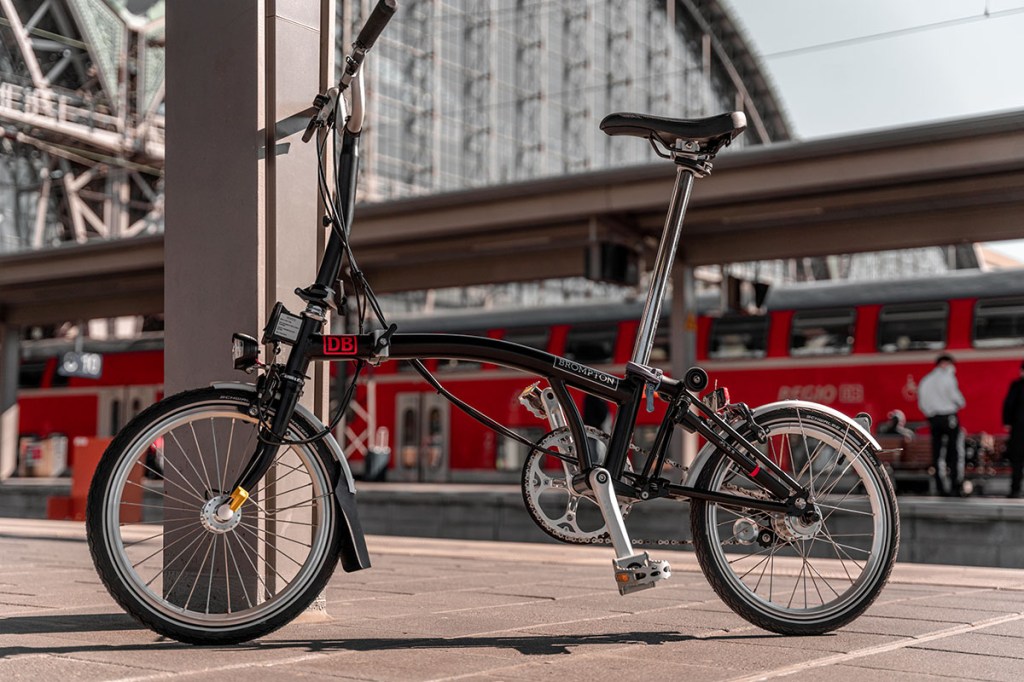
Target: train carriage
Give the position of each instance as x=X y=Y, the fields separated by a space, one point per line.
x=857 y=347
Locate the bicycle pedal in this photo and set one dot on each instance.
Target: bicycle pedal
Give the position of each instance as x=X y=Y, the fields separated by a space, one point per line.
x=639 y=572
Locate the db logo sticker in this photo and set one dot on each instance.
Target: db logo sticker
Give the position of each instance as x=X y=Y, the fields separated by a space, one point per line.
x=340 y=345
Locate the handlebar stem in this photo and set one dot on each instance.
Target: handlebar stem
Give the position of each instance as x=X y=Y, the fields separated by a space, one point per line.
x=354 y=125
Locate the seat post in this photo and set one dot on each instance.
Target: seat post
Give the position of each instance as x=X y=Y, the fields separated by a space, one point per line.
x=663 y=265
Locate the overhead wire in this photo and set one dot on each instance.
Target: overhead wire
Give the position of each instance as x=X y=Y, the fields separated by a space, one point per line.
x=885 y=35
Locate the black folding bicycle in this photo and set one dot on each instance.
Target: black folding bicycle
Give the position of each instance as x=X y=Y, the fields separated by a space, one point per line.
x=219 y=514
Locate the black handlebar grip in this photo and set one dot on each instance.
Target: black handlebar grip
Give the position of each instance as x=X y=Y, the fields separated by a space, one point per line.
x=379 y=18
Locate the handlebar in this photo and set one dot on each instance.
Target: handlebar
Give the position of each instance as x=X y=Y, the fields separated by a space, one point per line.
x=378 y=19
x=325 y=104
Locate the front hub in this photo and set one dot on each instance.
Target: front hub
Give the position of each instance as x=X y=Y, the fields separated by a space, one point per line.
x=217 y=515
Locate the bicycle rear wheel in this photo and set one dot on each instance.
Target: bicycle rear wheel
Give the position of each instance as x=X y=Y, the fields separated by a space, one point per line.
x=785 y=574
x=171 y=562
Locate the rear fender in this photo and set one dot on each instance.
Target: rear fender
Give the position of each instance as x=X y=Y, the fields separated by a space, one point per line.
x=354 y=556
x=856 y=428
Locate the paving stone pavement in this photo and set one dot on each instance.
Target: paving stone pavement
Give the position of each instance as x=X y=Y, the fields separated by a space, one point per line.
x=446 y=609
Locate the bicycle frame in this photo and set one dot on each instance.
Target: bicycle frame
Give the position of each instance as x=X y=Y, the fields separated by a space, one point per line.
x=562 y=374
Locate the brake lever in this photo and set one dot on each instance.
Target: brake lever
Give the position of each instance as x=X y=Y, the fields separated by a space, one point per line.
x=325 y=106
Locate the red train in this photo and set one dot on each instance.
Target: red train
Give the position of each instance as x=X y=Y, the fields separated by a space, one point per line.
x=854 y=346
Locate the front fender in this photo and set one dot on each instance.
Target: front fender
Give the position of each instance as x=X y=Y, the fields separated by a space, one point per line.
x=704 y=455
x=354 y=555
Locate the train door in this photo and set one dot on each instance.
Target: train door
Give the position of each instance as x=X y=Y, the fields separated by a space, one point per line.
x=118 y=406
x=421 y=437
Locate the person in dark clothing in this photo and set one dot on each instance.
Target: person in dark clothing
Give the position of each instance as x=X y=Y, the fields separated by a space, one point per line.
x=1013 y=418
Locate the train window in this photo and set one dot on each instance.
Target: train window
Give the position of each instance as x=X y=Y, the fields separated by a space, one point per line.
x=739 y=336
x=30 y=374
x=999 y=323
x=822 y=332
x=591 y=344
x=912 y=326
x=533 y=337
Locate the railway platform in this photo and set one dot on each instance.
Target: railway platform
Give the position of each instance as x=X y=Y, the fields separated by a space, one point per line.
x=972 y=531
x=472 y=610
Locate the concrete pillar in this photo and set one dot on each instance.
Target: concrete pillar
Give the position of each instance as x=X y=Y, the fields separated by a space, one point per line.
x=683 y=344
x=242 y=218
x=9 y=351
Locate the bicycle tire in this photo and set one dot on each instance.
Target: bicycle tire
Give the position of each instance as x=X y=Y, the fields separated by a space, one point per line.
x=857 y=537
x=118 y=514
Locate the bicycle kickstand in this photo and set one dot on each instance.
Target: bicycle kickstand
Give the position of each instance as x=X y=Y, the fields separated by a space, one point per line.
x=633 y=572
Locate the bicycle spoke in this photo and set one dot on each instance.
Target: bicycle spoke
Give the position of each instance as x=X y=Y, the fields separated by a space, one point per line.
x=241 y=578
x=286 y=492
x=216 y=456
x=284 y=537
x=841 y=509
x=227 y=455
x=168 y=462
x=192 y=493
x=209 y=586
x=227 y=574
x=137 y=542
x=153 y=506
x=246 y=553
x=199 y=574
x=301 y=505
x=847 y=468
x=155 y=491
x=764 y=560
x=170 y=590
x=810 y=573
x=839 y=549
x=839 y=450
x=265 y=563
x=807 y=448
x=164 y=549
x=202 y=460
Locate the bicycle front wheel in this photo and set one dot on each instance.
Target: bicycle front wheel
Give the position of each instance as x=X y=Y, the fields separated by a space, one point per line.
x=170 y=561
x=787 y=574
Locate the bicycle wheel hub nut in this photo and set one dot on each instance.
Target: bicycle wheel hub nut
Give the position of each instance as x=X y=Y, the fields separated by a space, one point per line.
x=796 y=528
x=213 y=521
x=745 y=531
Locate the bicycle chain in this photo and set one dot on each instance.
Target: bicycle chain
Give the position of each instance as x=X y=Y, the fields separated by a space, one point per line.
x=661 y=542
x=605 y=540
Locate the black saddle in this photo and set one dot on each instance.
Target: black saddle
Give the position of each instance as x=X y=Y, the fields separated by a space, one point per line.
x=709 y=134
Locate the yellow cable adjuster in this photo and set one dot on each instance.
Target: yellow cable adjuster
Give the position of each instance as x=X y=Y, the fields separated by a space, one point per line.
x=238 y=498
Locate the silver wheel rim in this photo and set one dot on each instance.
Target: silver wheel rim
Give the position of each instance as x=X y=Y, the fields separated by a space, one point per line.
x=221 y=575
x=820 y=570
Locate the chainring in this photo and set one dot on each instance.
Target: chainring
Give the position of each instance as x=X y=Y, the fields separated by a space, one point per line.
x=554 y=506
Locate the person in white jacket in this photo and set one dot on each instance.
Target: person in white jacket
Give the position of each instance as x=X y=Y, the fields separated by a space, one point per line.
x=939 y=397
